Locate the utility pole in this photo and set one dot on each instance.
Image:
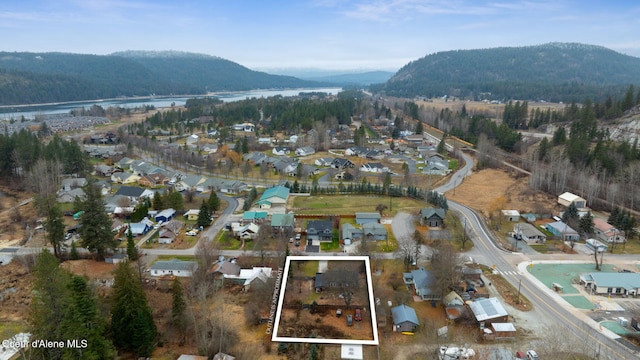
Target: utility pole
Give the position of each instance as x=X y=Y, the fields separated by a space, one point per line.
x=519 y=284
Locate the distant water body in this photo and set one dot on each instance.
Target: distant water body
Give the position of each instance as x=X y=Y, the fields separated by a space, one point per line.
x=30 y=111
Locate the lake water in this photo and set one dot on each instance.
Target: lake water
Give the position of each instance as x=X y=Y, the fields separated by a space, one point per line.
x=30 y=111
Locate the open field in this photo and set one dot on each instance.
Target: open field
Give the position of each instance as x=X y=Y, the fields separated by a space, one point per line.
x=350 y=204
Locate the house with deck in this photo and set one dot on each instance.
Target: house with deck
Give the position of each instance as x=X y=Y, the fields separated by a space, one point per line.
x=424 y=284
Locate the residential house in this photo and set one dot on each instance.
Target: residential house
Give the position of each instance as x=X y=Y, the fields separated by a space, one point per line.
x=254 y=217
x=166 y=236
x=374 y=231
x=405 y=319
x=104 y=170
x=222 y=356
x=529 y=233
x=415 y=139
x=319 y=230
x=153 y=180
x=423 y=282
x=175 y=267
x=325 y=161
x=210 y=149
x=247 y=276
x=607 y=232
x=350 y=233
x=341 y=163
x=282 y=222
x=248 y=231
x=344 y=175
x=72 y=183
x=511 y=215
x=603 y=283
x=124 y=163
x=335 y=280
x=71 y=195
x=432 y=217
x=275 y=196
x=192 y=214
x=142 y=168
x=563 y=231
x=489 y=311
x=190 y=182
x=374 y=168
x=124 y=177
x=104 y=186
x=140 y=228
x=281 y=150
x=115 y=258
x=255 y=158
x=111 y=202
x=568 y=198
x=264 y=141
x=135 y=193
x=305 y=151
x=246 y=127
x=165 y=215
x=223 y=269
x=212 y=133
x=367 y=217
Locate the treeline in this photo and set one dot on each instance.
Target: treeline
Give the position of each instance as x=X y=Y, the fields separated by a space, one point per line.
x=274 y=114
x=23 y=149
x=27 y=78
x=554 y=72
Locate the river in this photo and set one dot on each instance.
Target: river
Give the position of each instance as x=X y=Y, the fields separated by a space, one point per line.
x=30 y=111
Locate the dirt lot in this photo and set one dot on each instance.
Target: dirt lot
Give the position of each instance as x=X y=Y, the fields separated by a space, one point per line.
x=479 y=190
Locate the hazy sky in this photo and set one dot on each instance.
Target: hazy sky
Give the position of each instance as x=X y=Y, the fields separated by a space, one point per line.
x=329 y=34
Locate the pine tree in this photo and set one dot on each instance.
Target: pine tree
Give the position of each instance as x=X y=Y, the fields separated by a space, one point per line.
x=132 y=250
x=214 y=202
x=419 y=128
x=586 y=224
x=442 y=145
x=613 y=217
x=83 y=321
x=73 y=254
x=204 y=217
x=55 y=229
x=50 y=300
x=95 y=232
x=131 y=317
x=157 y=201
x=179 y=305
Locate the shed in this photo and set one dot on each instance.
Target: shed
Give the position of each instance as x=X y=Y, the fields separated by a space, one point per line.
x=511 y=215
x=192 y=214
x=351 y=352
x=165 y=215
x=568 y=198
x=504 y=330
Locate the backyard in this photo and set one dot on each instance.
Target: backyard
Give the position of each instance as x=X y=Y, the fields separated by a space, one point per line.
x=339 y=204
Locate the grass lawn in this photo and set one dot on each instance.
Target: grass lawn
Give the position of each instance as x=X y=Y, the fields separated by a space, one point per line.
x=307 y=268
x=227 y=241
x=179 y=257
x=10 y=328
x=349 y=204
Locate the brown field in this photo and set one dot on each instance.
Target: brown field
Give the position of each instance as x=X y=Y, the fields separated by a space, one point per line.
x=480 y=189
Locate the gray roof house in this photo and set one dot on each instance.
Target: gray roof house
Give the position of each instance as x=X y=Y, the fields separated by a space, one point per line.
x=404 y=319
x=612 y=283
x=367 y=217
x=489 y=310
x=432 y=217
x=350 y=233
x=423 y=281
x=173 y=267
x=305 y=151
x=72 y=183
x=70 y=196
x=319 y=230
x=529 y=233
x=374 y=231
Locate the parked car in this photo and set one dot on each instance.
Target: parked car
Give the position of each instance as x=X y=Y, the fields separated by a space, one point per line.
x=291 y=240
x=358 y=316
x=349 y=320
x=532 y=355
x=298 y=236
x=339 y=313
x=520 y=355
x=192 y=233
x=297 y=243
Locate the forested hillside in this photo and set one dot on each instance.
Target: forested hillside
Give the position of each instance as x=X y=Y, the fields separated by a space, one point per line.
x=27 y=78
x=553 y=72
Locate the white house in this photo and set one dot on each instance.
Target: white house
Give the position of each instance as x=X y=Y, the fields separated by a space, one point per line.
x=374 y=168
x=280 y=150
x=529 y=233
x=611 y=283
x=264 y=141
x=246 y=127
x=305 y=151
x=175 y=267
x=511 y=215
x=192 y=139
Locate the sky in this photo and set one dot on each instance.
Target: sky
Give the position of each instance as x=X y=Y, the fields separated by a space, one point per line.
x=320 y=34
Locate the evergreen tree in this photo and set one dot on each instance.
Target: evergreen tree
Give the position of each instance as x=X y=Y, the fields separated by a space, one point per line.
x=613 y=217
x=204 y=217
x=442 y=145
x=296 y=187
x=419 y=128
x=132 y=323
x=214 y=202
x=178 y=305
x=132 y=250
x=48 y=305
x=157 y=202
x=83 y=321
x=55 y=229
x=174 y=200
x=571 y=214
x=95 y=232
x=586 y=224
x=73 y=253
x=543 y=149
